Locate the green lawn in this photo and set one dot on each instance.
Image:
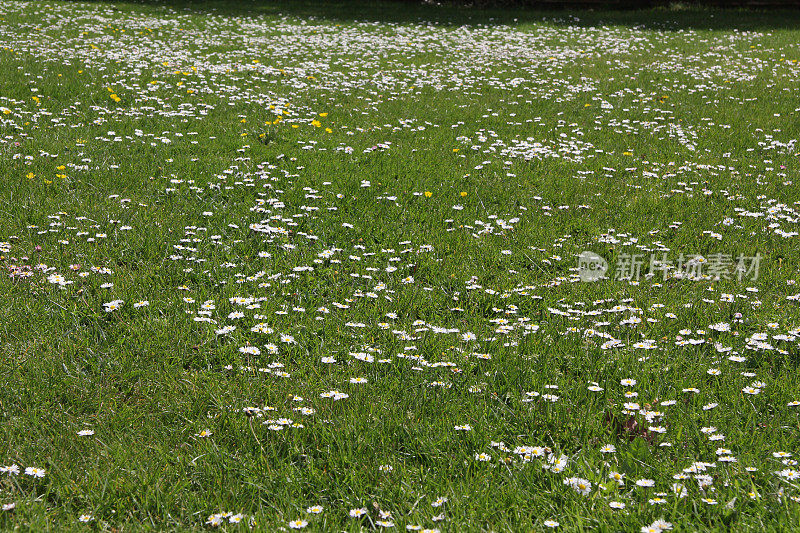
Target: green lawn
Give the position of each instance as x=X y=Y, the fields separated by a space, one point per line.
x=316 y=266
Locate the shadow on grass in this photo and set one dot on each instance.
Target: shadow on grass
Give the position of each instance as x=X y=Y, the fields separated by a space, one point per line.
x=414 y=11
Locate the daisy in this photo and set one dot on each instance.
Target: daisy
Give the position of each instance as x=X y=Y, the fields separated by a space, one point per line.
x=11 y=470
x=358 y=513
x=581 y=486
x=35 y=471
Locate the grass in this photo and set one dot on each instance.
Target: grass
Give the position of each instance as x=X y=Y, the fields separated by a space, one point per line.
x=388 y=202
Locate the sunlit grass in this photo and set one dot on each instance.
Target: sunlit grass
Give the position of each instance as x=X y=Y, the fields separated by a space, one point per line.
x=262 y=258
